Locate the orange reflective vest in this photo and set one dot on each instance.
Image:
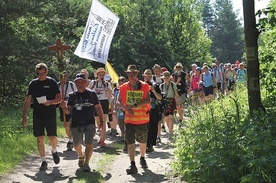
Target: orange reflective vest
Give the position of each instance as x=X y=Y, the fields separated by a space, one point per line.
x=130 y=96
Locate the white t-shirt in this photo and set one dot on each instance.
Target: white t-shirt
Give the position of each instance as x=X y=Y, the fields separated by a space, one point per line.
x=69 y=87
x=100 y=87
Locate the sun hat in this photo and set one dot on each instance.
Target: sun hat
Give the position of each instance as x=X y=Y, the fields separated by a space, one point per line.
x=156 y=66
x=147 y=72
x=80 y=76
x=166 y=74
x=131 y=68
x=178 y=64
x=101 y=69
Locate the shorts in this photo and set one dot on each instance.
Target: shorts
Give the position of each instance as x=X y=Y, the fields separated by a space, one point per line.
x=88 y=131
x=136 y=132
x=105 y=105
x=208 y=90
x=40 y=124
x=169 y=107
x=67 y=116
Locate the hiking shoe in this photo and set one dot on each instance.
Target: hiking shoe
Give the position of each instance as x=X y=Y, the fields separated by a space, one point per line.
x=143 y=163
x=102 y=144
x=56 y=157
x=149 y=149
x=43 y=166
x=86 y=168
x=81 y=161
x=163 y=128
x=158 y=140
x=132 y=169
x=69 y=146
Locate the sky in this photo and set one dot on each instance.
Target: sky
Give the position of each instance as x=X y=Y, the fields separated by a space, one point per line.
x=259 y=4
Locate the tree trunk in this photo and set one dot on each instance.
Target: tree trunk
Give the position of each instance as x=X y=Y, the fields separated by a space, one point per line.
x=253 y=67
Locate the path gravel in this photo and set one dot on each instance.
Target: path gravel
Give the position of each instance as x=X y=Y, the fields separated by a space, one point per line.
x=107 y=165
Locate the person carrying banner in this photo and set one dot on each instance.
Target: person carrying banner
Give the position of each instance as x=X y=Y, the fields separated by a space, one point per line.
x=82 y=105
x=44 y=93
x=134 y=99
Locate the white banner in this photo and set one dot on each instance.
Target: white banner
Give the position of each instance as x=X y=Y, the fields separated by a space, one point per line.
x=97 y=36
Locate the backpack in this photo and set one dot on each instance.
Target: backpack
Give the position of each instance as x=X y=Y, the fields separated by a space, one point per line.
x=96 y=82
x=154 y=79
x=211 y=75
x=71 y=86
x=162 y=87
x=162 y=103
x=243 y=71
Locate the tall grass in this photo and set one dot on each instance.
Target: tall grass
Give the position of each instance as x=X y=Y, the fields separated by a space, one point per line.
x=222 y=143
x=16 y=142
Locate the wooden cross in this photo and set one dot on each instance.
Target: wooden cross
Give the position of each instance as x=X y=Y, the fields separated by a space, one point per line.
x=59 y=48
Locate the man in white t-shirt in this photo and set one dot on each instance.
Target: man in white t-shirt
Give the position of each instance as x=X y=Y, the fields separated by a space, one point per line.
x=69 y=87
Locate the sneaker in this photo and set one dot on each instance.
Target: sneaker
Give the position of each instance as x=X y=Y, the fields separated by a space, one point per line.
x=132 y=169
x=143 y=163
x=149 y=149
x=81 y=161
x=158 y=140
x=114 y=132
x=86 y=168
x=69 y=146
x=43 y=166
x=163 y=128
x=56 y=157
x=102 y=144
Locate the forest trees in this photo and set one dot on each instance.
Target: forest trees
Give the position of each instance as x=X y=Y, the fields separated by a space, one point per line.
x=225 y=31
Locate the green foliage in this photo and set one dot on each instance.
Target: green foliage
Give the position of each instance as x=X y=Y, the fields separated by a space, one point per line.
x=266 y=56
x=227 y=145
x=13 y=137
x=226 y=33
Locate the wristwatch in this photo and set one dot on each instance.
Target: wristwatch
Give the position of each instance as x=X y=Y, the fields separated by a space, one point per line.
x=135 y=105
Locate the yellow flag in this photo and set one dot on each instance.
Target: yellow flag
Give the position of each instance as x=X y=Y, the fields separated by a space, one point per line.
x=110 y=70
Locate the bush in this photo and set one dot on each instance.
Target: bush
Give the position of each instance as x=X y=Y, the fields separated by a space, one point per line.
x=222 y=143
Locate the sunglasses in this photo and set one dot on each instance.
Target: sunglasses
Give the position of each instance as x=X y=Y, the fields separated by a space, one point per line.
x=41 y=73
x=131 y=73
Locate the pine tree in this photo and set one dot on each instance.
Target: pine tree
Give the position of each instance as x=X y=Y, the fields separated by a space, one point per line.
x=227 y=33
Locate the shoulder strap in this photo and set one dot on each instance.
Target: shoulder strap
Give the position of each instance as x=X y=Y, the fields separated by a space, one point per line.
x=93 y=84
x=172 y=87
x=72 y=86
x=154 y=78
x=162 y=87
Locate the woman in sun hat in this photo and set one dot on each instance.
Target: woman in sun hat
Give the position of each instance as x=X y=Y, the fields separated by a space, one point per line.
x=103 y=91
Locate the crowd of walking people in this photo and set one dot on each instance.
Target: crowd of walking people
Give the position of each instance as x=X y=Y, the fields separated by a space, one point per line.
x=141 y=108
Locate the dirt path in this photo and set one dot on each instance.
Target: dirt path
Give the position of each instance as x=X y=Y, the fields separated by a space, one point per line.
x=107 y=165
